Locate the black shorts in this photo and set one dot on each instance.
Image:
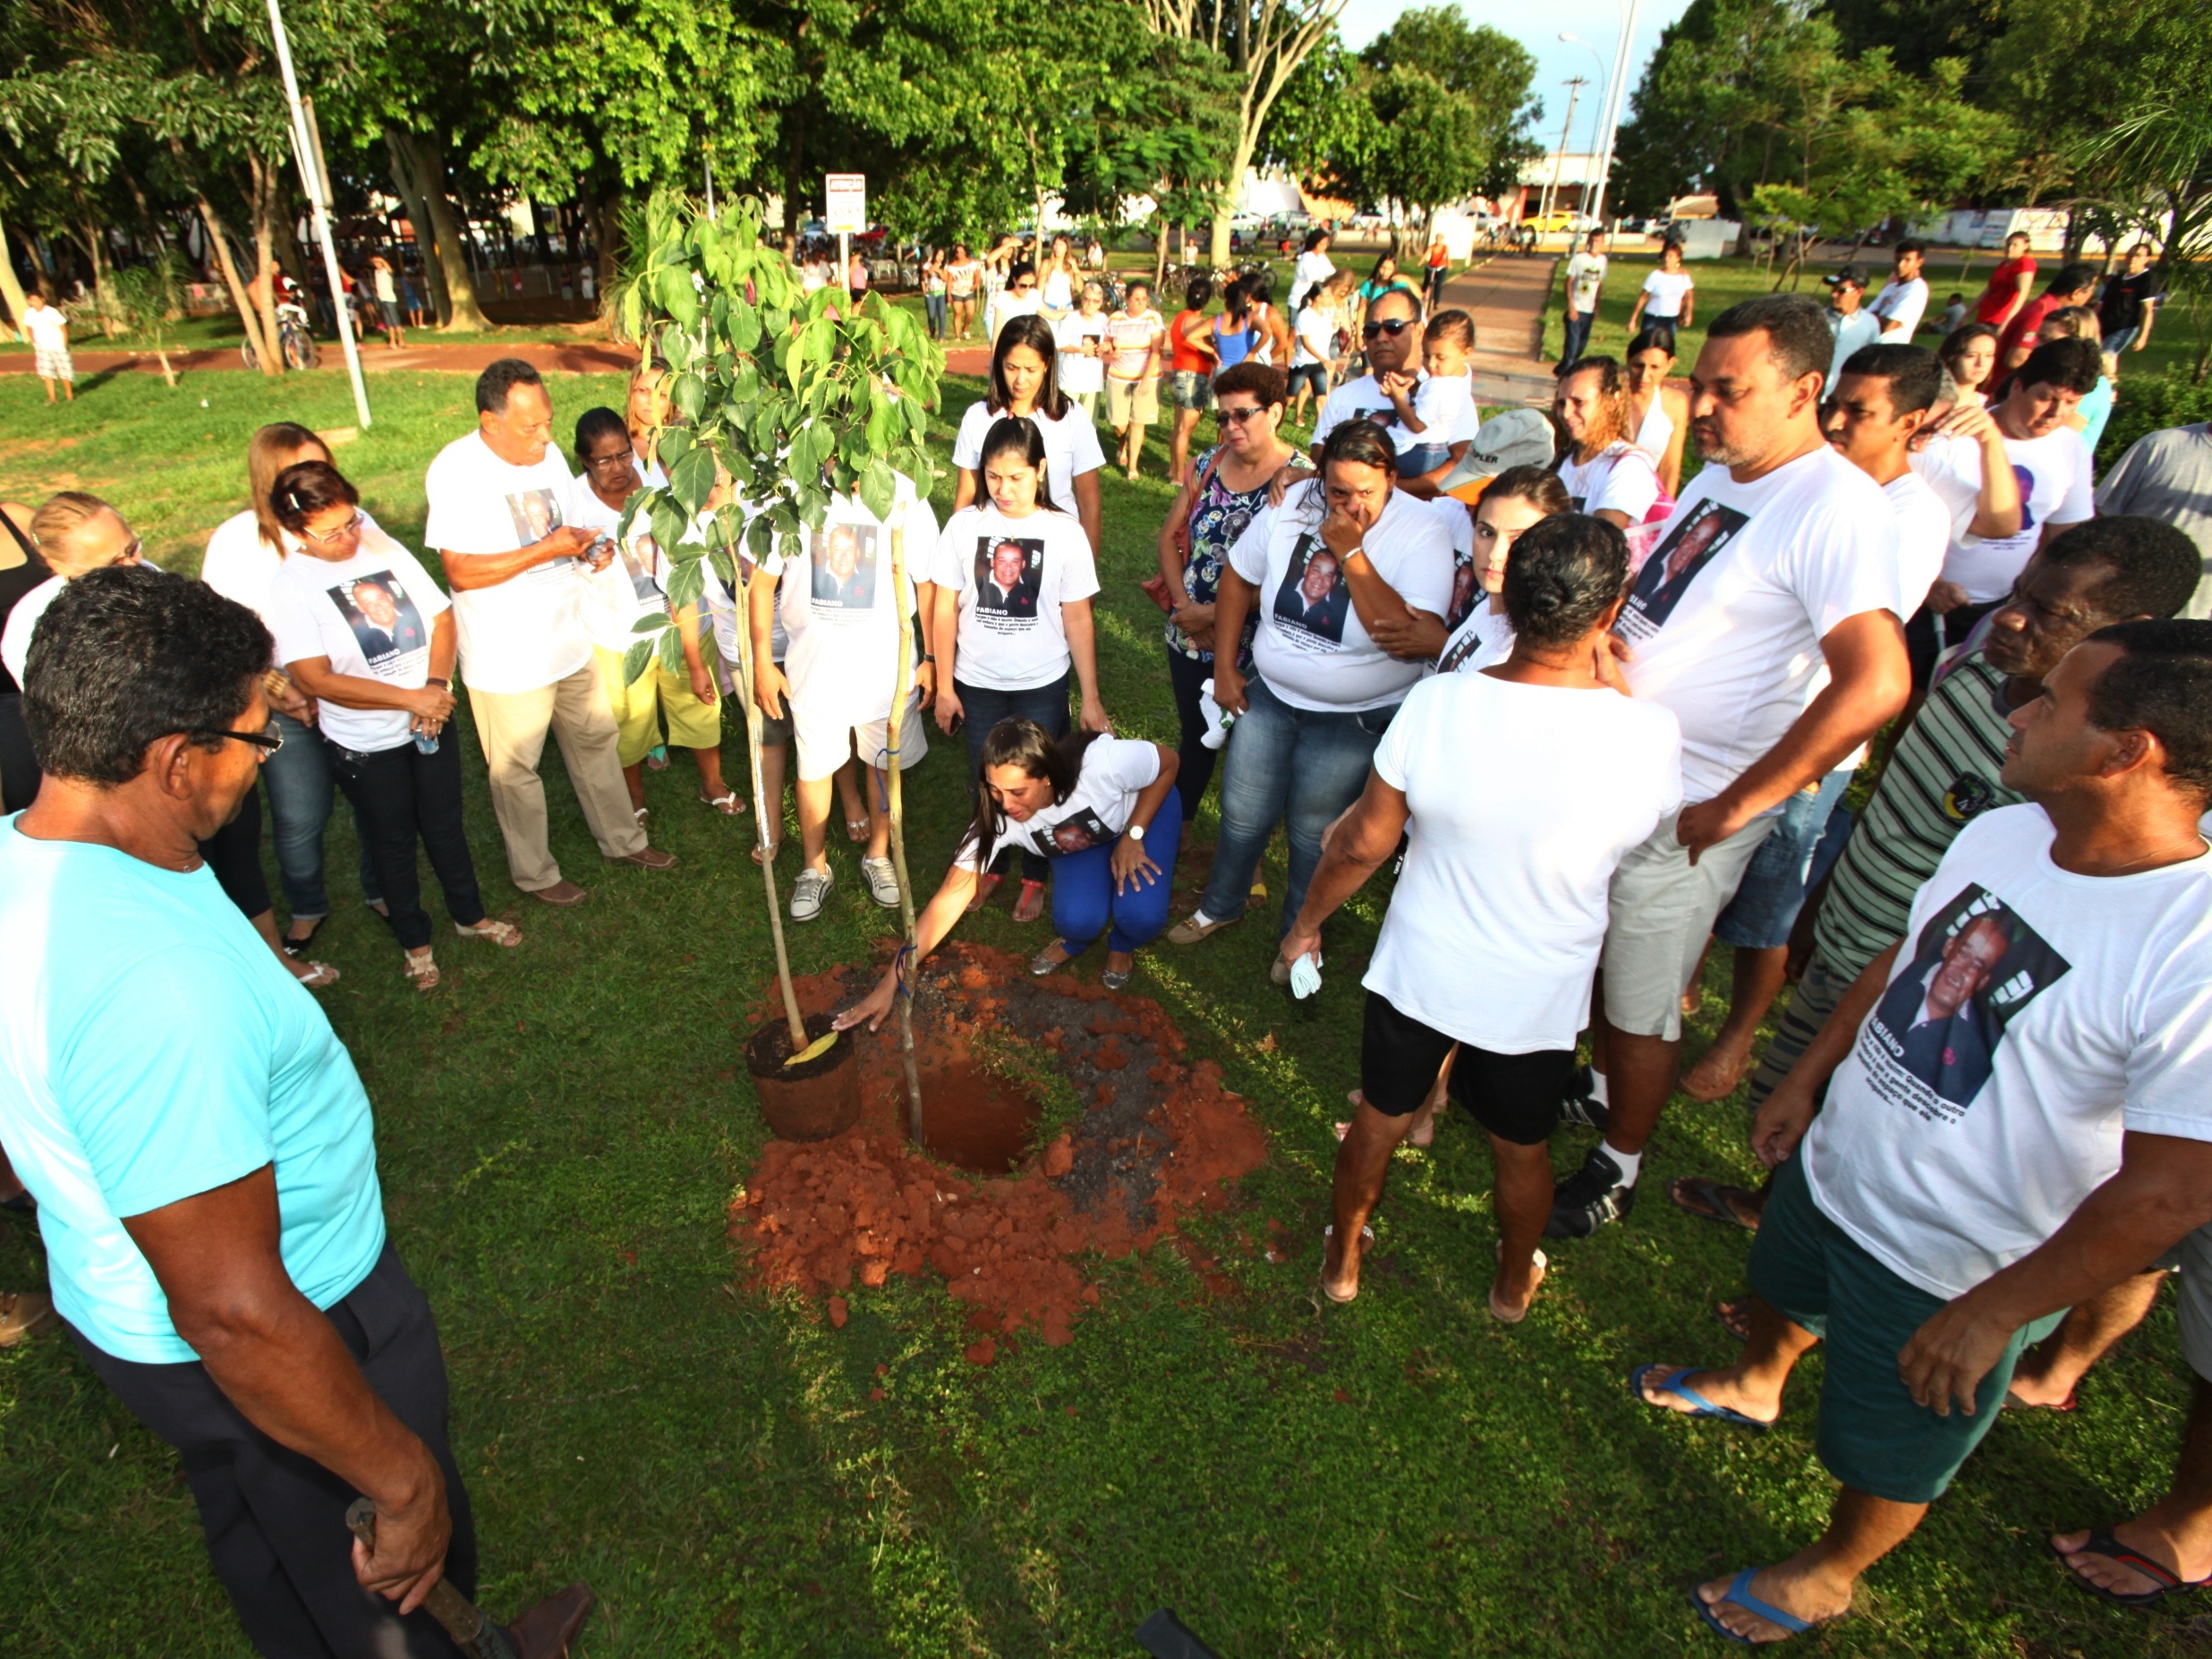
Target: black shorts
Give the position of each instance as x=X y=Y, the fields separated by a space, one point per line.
x=1514 y=1096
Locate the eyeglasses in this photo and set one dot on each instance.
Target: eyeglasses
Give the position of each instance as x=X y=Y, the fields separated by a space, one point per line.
x=622 y=458
x=1237 y=417
x=132 y=553
x=267 y=740
x=1025 y=287
x=328 y=538
x=1393 y=327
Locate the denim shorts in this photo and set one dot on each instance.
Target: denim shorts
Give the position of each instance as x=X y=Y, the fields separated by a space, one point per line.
x=1767 y=902
x=1191 y=388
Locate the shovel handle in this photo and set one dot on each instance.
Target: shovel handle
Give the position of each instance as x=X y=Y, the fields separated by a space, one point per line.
x=474 y=1634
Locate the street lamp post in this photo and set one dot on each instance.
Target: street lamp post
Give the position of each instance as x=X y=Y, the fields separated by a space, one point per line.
x=1613 y=105
x=1550 y=191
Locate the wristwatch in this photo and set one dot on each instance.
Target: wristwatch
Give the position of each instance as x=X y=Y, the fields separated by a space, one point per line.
x=1135 y=832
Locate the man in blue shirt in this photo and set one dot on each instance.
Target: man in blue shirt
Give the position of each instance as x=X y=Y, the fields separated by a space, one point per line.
x=201 y=1148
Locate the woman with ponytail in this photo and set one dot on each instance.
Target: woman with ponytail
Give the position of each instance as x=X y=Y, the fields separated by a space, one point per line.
x=1494 y=927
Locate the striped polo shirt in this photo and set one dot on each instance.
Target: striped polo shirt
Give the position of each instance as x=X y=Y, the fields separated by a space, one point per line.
x=1943 y=774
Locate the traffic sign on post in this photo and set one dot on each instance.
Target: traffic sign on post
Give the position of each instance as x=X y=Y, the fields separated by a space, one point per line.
x=845 y=202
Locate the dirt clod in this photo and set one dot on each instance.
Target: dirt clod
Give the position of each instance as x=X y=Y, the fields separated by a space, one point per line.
x=1161 y=1139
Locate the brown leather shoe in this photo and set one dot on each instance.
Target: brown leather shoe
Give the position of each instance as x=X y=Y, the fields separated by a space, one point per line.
x=546 y=1630
x=651 y=858
x=561 y=893
x=22 y=1311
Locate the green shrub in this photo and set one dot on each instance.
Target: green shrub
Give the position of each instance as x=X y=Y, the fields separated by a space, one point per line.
x=2150 y=402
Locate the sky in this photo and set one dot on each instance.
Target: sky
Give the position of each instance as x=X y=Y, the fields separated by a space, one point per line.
x=1596 y=21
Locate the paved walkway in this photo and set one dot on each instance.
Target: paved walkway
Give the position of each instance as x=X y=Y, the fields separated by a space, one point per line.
x=1505 y=294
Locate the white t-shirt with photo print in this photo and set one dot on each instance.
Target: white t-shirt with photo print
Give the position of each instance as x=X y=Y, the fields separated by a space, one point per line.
x=1071 y=448
x=1494 y=930
x=1115 y=771
x=1726 y=615
x=1014 y=639
x=1959 y=1135
x=1486 y=637
x=2056 y=480
x=527 y=632
x=1444 y=403
x=1312 y=652
x=634 y=586
x=836 y=603
x=1078 y=370
x=1619 y=478
x=371 y=615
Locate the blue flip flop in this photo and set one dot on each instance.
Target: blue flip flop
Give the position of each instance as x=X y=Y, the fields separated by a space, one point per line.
x=1739 y=1592
x=1701 y=1406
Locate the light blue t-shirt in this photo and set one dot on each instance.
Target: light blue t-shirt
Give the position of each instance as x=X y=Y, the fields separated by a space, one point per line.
x=152 y=1048
x=2095 y=409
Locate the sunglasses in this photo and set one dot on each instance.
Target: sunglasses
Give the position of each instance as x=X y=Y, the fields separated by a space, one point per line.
x=1025 y=287
x=1394 y=327
x=1237 y=417
x=267 y=740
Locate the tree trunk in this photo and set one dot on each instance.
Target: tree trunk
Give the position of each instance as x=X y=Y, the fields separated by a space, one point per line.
x=418 y=220
x=765 y=811
x=1161 y=228
x=899 y=823
x=263 y=201
x=425 y=159
x=11 y=286
x=1217 y=253
x=263 y=345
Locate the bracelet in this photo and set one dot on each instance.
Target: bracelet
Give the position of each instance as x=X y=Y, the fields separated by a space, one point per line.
x=441 y=684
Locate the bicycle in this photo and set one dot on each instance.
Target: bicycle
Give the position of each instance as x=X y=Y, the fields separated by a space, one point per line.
x=295 y=343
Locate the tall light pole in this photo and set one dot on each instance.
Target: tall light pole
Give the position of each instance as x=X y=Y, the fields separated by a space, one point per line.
x=1616 y=94
x=1558 y=160
x=1597 y=114
x=318 y=206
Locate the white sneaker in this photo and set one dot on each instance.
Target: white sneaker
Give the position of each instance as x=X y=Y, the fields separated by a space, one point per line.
x=808 y=894
x=882 y=878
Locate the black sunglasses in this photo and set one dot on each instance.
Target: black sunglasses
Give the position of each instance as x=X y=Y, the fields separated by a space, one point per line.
x=269 y=739
x=1393 y=327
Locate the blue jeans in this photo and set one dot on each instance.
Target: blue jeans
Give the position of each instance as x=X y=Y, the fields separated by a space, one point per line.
x=1291 y=764
x=300 y=784
x=984 y=708
x=1578 y=335
x=934 y=304
x=1084 y=904
x=2120 y=339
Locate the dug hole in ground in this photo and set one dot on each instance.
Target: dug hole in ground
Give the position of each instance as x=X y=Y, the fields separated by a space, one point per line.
x=1142 y=1139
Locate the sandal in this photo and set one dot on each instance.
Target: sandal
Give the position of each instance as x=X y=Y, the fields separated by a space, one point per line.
x=293 y=946
x=503 y=933
x=1739 y=1592
x=1497 y=1309
x=986 y=885
x=1030 y=905
x=319 y=976
x=2102 y=1542
x=638 y=812
x=1716 y=1201
x=420 y=968
x=657 y=758
x=727 y=803
x=1044 y=962
x=1700 y=1406
x=1366 y=1238
x=856 y=830
x=774 y=848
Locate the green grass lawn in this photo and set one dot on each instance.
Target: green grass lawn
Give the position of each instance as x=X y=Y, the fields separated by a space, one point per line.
x=561 y=1128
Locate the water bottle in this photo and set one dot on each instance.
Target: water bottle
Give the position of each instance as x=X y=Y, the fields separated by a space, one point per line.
x=425 y=743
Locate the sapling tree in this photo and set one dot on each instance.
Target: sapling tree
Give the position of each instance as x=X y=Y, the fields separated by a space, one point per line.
x=797 y=398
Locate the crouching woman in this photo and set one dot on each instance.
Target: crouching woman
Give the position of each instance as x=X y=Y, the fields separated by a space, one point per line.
x=1089 y=803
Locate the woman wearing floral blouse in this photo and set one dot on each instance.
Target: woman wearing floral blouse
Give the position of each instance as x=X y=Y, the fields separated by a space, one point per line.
x=1227 y=487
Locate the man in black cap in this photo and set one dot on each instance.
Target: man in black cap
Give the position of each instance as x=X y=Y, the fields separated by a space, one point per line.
x=1849 y=320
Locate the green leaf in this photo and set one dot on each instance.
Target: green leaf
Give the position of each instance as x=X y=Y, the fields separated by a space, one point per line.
x=669 y=520
x=676 y=443
x=690 y=396
x=777 y=322
x=648 y=624
x=671 y=651
x=641 y=653
x=879 y=488
x=692 y=479
x=686 y=581
x=744 y=384
x=677 y=294
x=675 y=348
x=725 y=566
x=742 y=329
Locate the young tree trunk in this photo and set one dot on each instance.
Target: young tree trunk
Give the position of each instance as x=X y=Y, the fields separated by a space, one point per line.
x=419 y=217
x=765 y=811
x=901 y=686
x=425 y=158
x=264 y=346
x=11 y=286
x=1160 y=255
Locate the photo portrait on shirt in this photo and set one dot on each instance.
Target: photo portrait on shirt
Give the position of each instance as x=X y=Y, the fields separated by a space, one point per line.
x=1078 y=834
x=1690 y=541
x=1009 y=570
x=641 y=557
x=385 y=624
x=845 y=566
x=537 y=514
x=1933 y=1039
x=1315 y=595
x=1462 y=593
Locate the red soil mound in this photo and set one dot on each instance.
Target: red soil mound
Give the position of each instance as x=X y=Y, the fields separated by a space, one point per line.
x=1157 y=1138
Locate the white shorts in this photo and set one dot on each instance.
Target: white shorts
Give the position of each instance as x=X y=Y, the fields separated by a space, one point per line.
x=1663 y=907
x=2194 y=1301
x=826 y=744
